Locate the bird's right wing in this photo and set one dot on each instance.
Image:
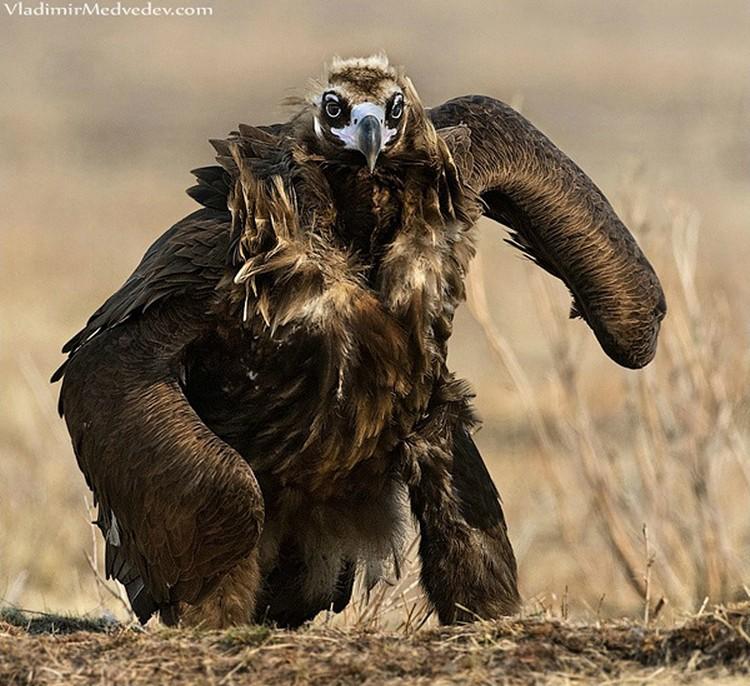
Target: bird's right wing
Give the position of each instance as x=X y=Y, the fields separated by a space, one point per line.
x=178 y=506
x=188 y=258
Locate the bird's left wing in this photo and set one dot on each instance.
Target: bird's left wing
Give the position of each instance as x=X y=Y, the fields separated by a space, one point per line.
x=559 y=218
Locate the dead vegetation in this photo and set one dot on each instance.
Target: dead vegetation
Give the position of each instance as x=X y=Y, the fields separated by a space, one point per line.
x=45 y=650
x=666 y=500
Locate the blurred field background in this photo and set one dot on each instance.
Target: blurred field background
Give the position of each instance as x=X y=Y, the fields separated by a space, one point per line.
x=101 y=120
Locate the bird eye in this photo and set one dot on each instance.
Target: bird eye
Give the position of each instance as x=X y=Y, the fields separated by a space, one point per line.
x=397 y=108
x=333 y=109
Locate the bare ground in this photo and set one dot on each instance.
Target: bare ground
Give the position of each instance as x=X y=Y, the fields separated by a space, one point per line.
x=711 y=648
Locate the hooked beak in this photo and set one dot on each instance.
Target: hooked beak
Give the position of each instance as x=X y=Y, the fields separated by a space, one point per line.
x=368 y=139
x=366 y=133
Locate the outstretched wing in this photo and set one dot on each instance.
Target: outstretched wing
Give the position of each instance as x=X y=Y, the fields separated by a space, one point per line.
x=559 y=218
x=178 y=506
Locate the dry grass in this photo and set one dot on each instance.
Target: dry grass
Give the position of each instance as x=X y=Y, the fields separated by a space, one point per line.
x=713 y=647
x=668 y=501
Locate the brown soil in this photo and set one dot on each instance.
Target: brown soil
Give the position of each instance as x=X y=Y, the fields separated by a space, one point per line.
x=714 y=647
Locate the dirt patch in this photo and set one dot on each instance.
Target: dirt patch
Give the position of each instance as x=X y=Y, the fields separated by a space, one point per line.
x=715 y=646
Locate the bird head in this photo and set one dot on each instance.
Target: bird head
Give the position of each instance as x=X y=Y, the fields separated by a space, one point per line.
x=362 y=110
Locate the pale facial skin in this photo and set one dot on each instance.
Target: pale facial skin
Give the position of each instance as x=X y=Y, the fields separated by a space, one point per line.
x=367 y=127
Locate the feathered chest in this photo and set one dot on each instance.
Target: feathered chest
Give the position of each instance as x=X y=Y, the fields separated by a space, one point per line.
x=368 y=213
x=340 y=308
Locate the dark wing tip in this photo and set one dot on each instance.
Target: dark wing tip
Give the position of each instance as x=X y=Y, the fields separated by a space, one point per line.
x=633 y=345
x=628 y=322
x=560 y=218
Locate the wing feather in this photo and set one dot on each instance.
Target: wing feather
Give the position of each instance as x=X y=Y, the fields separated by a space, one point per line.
x=561 y=220
x=187 y=506
x=188 y=258
x=178 y=506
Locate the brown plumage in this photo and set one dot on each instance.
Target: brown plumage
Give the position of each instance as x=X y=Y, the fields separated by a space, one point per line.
x=264 y=400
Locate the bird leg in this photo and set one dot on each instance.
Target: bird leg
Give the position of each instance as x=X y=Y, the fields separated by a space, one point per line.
x=468 y=566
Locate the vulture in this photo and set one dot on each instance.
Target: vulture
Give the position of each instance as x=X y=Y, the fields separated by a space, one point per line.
x=264 y=405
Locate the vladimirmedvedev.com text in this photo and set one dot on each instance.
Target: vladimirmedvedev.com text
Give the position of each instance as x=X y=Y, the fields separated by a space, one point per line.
x=96 y=9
